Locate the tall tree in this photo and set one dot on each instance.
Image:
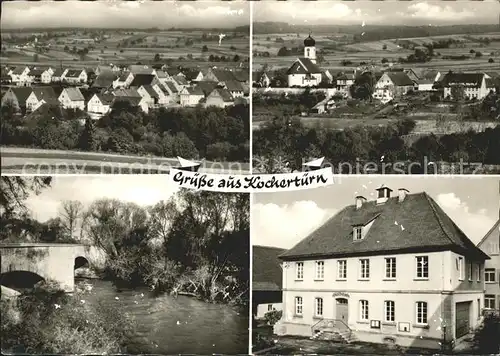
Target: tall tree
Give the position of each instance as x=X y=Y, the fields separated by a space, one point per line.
x=87 y=139
x=71 y=213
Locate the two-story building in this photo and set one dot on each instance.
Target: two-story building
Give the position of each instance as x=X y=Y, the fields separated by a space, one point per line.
x=72 y=98
x=467 y=85
x=392 y=85
x=490 y=245
x=395 y=270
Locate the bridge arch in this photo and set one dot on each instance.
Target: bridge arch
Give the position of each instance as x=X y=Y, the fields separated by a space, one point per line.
x=20 y=279
x=81 y=262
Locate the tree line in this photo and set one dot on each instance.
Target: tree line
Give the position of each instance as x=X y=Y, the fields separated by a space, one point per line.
x=287 y=139
x=194 y=243
x=212 y=133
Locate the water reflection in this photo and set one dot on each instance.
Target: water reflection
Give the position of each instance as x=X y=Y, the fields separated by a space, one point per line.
x=170 y=325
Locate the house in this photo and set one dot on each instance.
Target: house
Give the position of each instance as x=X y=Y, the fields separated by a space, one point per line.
x=75 y=76
x=40 y=76
x=17 y=96
x=266 y=280
x=123 y=81
x=220 y=76
x=104 y=80
x=99 y=105
x=264 y=80
x=193 y=75
x=37 y=94
x=490 y=245
x=473 y=85
x=170 y=92
x=143 y=79
x=219 y=97
x=191 y=96
x=72 y=98
x=344 y=82
x=133 y=97
x=392 y=85
x=47 y=102
x=235 y=88
x=150 y=95
x=173 y=72
x=20 y=77
x=304 y=72
x=179 y=81
x=396 y=269
x=59 y=75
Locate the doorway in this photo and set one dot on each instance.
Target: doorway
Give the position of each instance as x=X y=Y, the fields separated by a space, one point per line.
x=342 y=310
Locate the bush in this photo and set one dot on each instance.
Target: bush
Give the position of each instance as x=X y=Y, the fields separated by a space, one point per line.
x=486 y=338
x=52 y=322
x=273 y=316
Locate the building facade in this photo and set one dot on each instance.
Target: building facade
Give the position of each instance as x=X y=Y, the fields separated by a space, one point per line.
x=304 y=72
x=392 y=270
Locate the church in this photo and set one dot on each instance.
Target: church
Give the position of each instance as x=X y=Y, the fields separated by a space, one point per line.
x=304 y=72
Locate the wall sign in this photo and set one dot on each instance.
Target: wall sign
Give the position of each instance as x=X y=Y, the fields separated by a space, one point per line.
x=341 y=294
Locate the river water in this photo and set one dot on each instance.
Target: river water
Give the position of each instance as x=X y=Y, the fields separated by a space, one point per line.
x=170 y=325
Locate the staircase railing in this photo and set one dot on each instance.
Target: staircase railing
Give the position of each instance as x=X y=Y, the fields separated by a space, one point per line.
x=331 y=323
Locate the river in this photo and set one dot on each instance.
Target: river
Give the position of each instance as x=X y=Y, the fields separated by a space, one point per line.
x=170 y=325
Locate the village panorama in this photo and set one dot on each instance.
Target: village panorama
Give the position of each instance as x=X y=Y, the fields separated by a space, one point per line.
x=131 y=90
x=414 y=92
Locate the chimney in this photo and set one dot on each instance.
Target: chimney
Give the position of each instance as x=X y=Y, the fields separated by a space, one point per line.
x=384 y=193
x=402 y=193
x=360 y=200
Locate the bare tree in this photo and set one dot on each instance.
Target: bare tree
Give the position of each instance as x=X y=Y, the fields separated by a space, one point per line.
x=71 y=213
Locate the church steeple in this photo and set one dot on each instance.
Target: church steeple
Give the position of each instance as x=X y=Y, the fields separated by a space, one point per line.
x=310 y=48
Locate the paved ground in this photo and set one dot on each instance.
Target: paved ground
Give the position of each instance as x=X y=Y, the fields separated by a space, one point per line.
x=32 y=161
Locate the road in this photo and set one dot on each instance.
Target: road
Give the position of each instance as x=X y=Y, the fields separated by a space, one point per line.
x=37 y=161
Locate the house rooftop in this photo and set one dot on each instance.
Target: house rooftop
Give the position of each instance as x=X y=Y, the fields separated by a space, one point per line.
x=266 y=268
x=473 y=80
x=400 y=78
x=142 y=79
x=74 y=94
x=416 y=224
x=304 y=66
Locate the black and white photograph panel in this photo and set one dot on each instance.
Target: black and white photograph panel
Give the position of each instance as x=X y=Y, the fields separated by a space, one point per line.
x=392 y=87
x=122 y=265
x=378 y=266
x=124 y=86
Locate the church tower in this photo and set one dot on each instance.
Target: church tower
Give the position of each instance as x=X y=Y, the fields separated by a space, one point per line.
x=310 y=48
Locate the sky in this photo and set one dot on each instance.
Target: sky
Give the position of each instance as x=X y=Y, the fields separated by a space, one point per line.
x=124 y=14
x=390 y=12
x=283 y=219
x=143 y=190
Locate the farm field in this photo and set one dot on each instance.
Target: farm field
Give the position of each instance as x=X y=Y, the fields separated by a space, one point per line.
x=335 y=49
x=183 y=47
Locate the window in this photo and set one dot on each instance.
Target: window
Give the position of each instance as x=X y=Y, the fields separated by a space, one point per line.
x=389 y=310
x=478 y=272
x=342 y=269
x=364 y=265
x=299 y=268
x=422 y=266
x=460 y=268
x=269 y=307
x=489 y=275
x=320 y=270
x=318 y=307
x=390 y=267
x=358 y=233
x=363 y=310
x=478 y=308
x=489 y=301
x=469 y=271
x=298 y=305
x=421 y=313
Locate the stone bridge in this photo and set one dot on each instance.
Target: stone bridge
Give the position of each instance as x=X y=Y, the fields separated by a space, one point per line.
x=25 y=264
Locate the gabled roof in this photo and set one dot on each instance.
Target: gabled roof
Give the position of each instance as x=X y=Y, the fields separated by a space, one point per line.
x=471 y=80
x=195 y=91
x=206 y=86
x=132 y=100
x=242 y=75
x=234 y=85
x=74 y=94
x=152 y=93
x=191 y=74
x=224 y=94
x=18 y=70
x=105 y=99
x=171 y=86
x=266 y=268
x=426 y=228
x=36 y=72
x=44 y=93
x=21 y=93
x=400 y=79
x=142 y=79
x=123 y=77
x=430 y=75
x=179 y=79
x=58 y=72
x=173 y=71
x=223 y=75
x=488 y=234
x=303 y=66
x=104 y=80
x=73 y=73
x=130 y=92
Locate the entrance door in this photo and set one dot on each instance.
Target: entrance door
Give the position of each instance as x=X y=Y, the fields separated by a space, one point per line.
x=342 y=310
x=462 y=315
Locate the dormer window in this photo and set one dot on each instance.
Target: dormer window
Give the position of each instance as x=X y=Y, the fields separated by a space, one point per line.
x=358 y=233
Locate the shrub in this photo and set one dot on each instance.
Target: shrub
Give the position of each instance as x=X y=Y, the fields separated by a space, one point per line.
x=273 y=316
x=486 y=337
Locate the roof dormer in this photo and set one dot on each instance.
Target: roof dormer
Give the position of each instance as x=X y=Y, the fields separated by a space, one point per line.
x=384 y=193
x=358 y=232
